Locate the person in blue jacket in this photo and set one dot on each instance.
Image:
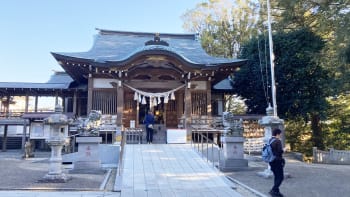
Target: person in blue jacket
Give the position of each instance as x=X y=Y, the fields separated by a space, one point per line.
x=149 y=121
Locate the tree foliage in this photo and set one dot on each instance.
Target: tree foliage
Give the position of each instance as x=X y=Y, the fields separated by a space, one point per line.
x=302 y=84
x=331 y=21
x=223 y=25
x=312 y=50
x=337 y=126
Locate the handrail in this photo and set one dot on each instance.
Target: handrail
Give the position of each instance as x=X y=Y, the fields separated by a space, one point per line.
x=121 y=161
x=118 y=177
x=202 y=138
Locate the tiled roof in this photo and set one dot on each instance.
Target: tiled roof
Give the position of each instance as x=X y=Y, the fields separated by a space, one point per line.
x=59 y=80
x=224 y=85
x=25 y=85
x=118 y=46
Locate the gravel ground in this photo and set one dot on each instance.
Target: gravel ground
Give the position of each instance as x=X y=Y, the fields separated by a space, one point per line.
x=17 y=173
x=307 y=180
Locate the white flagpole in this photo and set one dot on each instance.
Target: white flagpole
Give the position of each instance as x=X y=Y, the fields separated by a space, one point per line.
x=272 y=59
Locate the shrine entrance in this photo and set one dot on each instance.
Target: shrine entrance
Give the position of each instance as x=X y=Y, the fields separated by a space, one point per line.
x=167 y=110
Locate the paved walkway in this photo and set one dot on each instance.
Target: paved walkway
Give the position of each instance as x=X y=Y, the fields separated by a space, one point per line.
x=171 y=170
x=57 y=194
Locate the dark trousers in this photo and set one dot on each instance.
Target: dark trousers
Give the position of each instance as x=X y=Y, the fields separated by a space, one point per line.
x=149 y=134
x=277 y=169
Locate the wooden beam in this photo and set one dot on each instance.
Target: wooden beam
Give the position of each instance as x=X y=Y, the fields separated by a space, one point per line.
x=155 y=84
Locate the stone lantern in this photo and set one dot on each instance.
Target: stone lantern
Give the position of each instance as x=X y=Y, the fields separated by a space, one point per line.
x=232 y=141
x=58 y=125
x=270 y=122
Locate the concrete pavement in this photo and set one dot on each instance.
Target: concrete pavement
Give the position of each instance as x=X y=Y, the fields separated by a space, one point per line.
x=171 y=170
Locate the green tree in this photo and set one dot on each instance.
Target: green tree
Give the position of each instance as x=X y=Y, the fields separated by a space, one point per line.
x=331 y=21
x=337 y=126
x=301 y=82
x=223 y=25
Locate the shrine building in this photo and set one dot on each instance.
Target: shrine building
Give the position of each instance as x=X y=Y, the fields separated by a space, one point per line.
x=128 y=73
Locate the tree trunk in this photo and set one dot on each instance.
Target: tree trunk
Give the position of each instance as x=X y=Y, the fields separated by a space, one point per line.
x=317 y=136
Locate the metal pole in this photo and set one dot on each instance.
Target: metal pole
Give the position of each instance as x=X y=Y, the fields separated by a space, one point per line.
x=207 y=147
x=272 y=58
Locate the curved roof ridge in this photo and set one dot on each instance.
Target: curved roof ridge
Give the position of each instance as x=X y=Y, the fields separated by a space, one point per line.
x=191 y=36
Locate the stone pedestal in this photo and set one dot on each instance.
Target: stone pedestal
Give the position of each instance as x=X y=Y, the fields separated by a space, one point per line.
x=233 y=155
x=88 y=160
x=270 y=122
x=55 y=174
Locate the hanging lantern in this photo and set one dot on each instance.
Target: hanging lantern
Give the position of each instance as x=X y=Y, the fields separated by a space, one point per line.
x=140 y=99
x=136 y=96
x=143 y=100
x=172 y=96
x=159 y=101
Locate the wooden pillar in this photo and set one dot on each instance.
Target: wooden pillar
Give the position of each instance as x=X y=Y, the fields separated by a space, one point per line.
x=188 y=112
x=4 y=139
x=75 y=103
x=164 y=113
x=137 y=113
x=120 y=105
x=209 y=107
x=56 y=99
x=180 y=104
x=24 y=135
x=65 y=104
x=36 y=103
x=90 y=89
x=26 y=105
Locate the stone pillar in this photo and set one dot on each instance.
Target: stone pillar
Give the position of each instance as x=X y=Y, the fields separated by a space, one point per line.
x=270 y=122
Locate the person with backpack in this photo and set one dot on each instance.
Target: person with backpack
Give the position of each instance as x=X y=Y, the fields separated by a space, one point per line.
x=277 y=164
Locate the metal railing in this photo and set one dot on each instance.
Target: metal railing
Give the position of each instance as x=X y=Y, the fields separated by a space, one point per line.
x=133 y=135
x=122 y=148
x=202 y=143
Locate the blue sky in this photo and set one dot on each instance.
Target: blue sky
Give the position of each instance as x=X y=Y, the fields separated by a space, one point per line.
x=31 y=29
